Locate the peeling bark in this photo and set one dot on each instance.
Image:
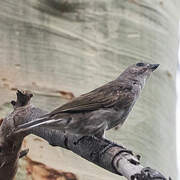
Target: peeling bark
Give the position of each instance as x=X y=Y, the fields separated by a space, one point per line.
x=41 y=171
x=102 y=152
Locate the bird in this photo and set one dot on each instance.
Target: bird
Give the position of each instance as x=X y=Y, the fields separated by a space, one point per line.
x=97 y=111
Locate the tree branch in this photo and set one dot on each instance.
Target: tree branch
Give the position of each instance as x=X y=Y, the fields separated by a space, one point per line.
x=102 y=152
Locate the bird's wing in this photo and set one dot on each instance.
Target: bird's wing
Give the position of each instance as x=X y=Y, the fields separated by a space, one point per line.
x=105 y=96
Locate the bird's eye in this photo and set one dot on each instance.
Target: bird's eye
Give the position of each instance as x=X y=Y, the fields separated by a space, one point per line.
x=140 y=64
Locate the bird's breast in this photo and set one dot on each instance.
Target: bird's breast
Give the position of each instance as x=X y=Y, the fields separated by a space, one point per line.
x=119 y=118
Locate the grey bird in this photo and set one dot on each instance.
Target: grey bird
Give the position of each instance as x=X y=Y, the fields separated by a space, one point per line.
x=99 y=110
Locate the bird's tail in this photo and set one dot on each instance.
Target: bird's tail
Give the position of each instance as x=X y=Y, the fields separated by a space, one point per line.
x=44 y=120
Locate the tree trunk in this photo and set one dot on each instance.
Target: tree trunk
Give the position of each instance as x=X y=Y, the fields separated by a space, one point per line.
x=61 y=48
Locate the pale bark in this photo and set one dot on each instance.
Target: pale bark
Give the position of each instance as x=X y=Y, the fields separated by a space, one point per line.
x=76 y=45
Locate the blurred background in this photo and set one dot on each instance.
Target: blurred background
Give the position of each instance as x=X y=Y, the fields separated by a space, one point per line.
x=60 y=49
x=178 y=113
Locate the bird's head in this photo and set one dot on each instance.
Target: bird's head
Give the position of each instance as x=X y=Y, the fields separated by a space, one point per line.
x=139 y=72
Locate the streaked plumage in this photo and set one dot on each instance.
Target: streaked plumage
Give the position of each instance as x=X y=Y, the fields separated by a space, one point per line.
x=101 y=109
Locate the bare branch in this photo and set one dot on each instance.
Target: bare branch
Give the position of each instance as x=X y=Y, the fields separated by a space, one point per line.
x=9 y=144
x=102 y=152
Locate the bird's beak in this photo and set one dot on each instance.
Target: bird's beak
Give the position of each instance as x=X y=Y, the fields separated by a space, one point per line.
x=153 y=66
